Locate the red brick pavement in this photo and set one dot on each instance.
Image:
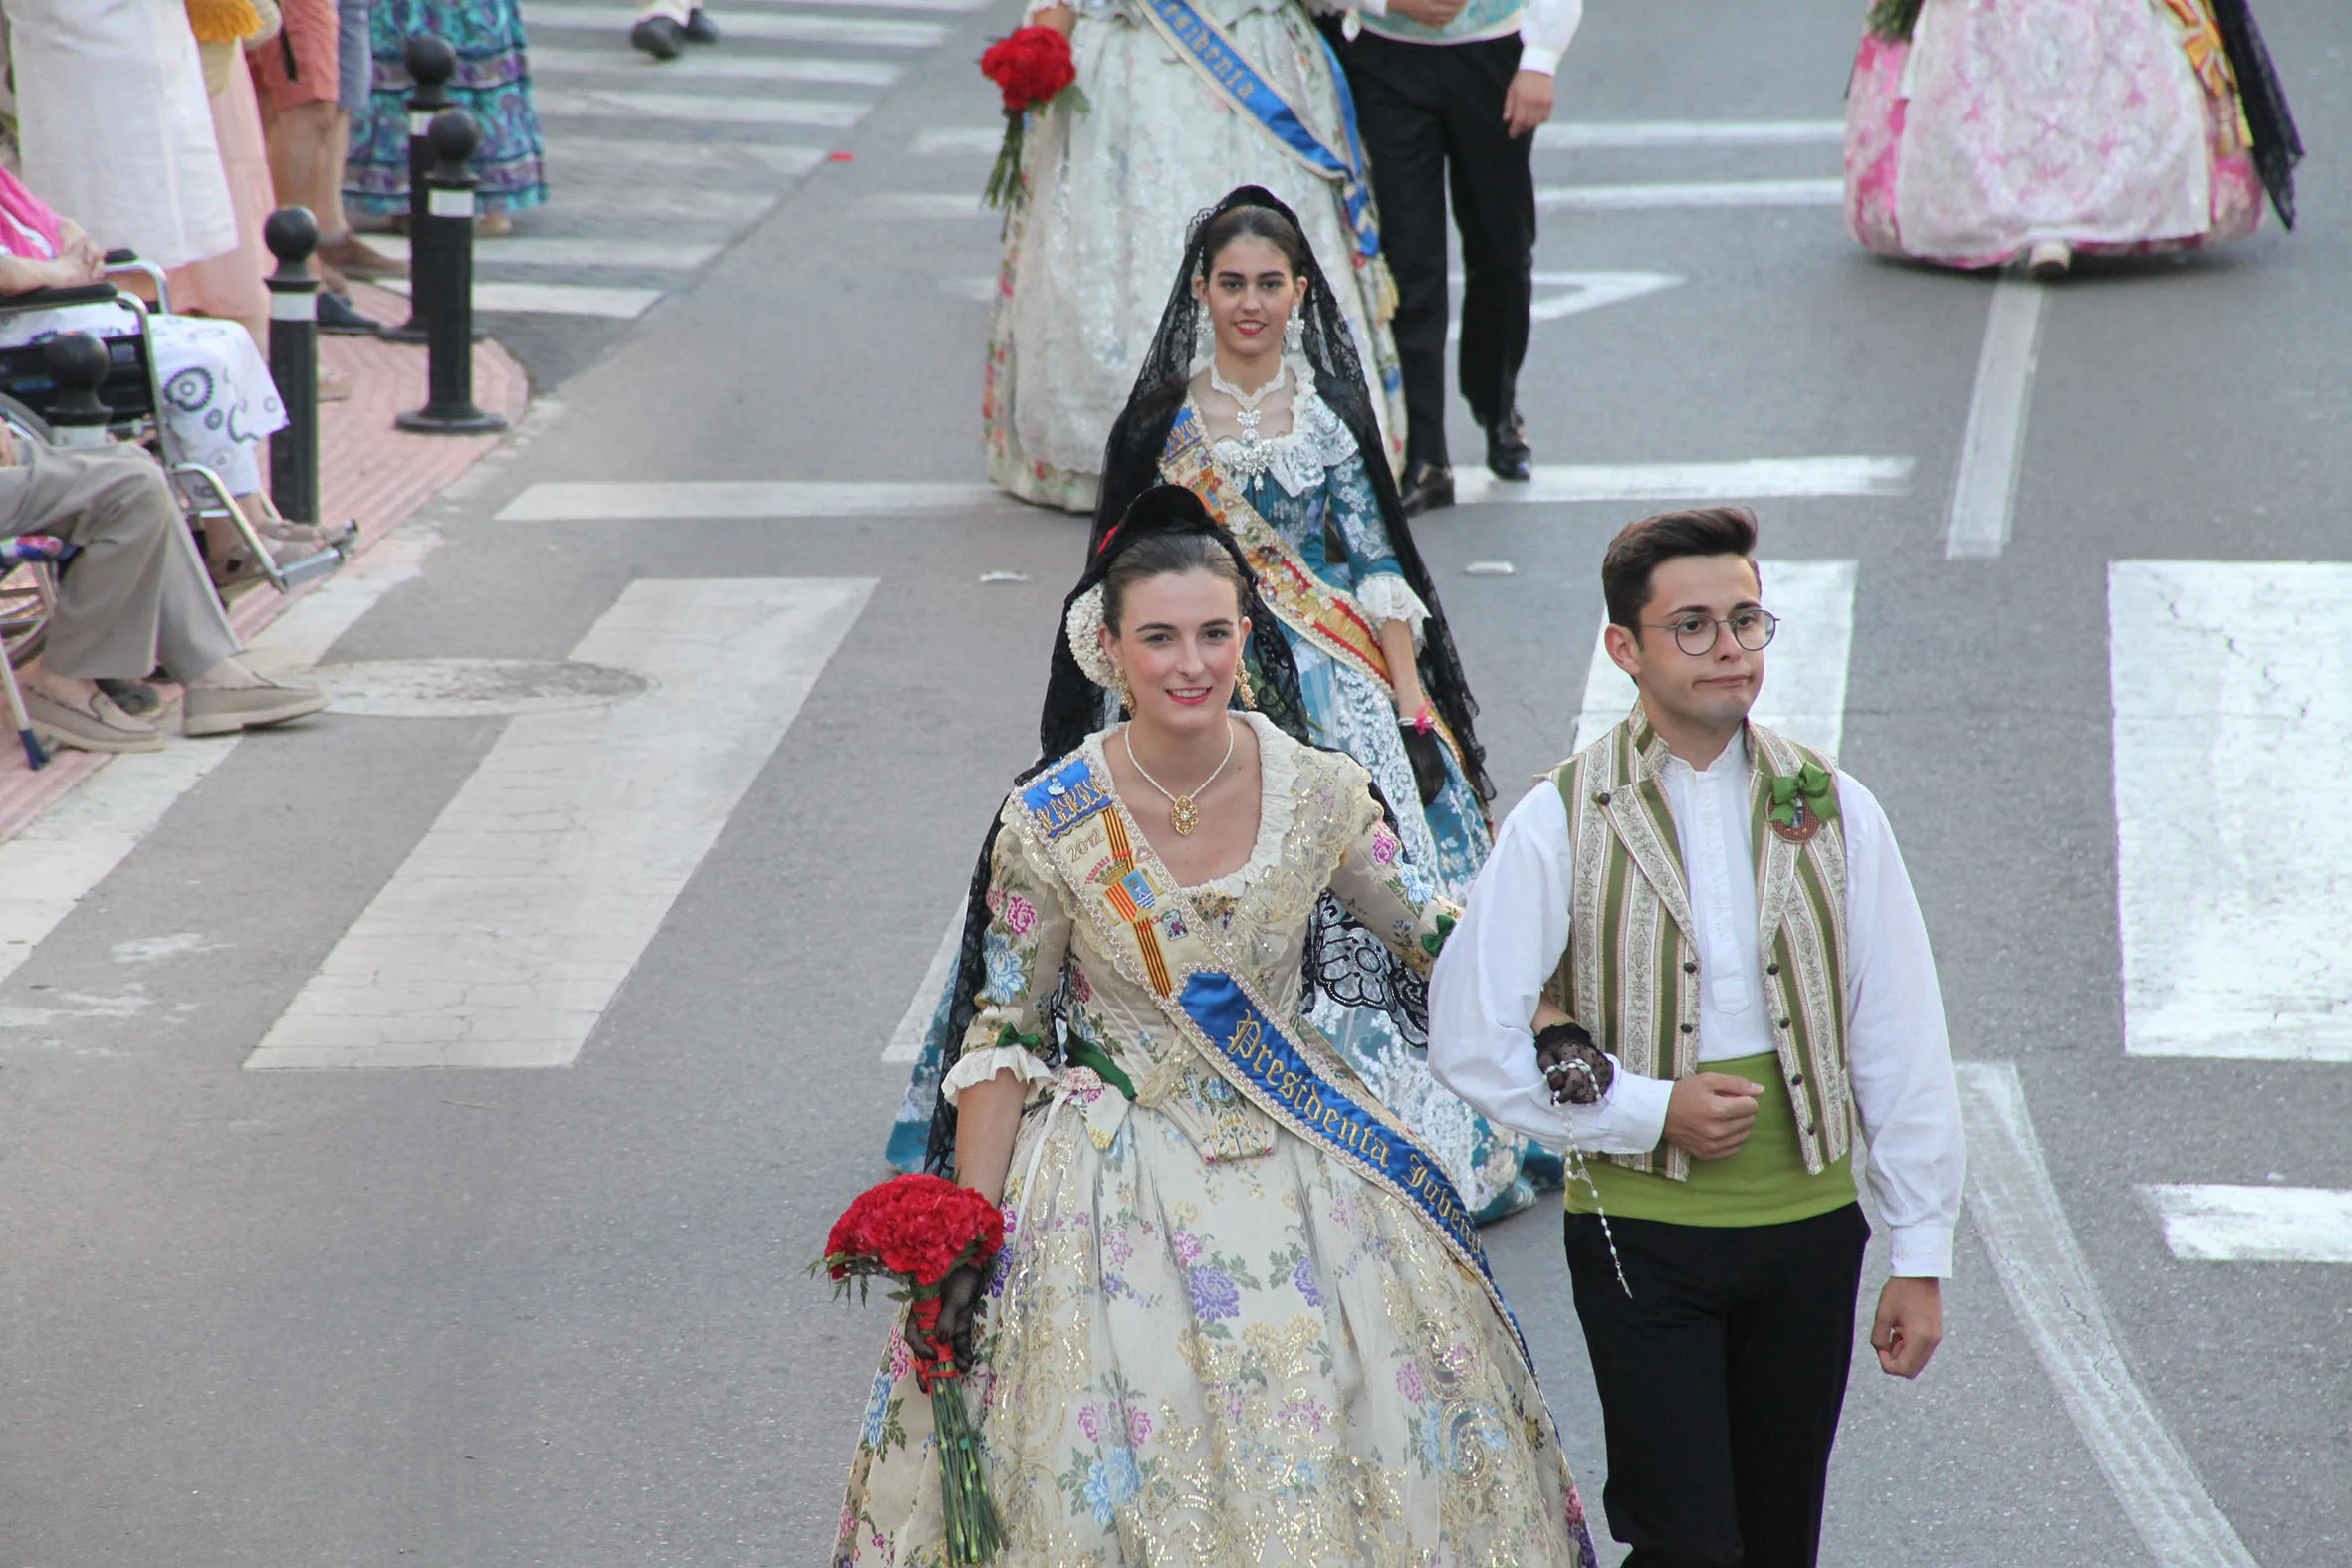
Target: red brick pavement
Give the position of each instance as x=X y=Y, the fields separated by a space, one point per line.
x=368 y=470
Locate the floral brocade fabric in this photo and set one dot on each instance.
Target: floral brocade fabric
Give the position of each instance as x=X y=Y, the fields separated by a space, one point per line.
x=1209 y=1341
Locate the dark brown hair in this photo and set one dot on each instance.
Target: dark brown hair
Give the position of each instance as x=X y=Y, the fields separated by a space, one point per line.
x=1261 y=223
x=1640 y=547
x=1171 y=533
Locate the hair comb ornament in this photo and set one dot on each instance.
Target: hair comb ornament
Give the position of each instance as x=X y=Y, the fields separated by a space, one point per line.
x=1083 y=626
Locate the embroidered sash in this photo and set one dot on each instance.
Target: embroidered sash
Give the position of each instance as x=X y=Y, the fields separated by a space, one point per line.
x=1143 y=919
x=1229 y=72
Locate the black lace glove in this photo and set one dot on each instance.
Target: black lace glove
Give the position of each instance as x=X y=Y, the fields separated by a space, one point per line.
x=961 y=1295
x=1427 y=754
x=1574 y=1067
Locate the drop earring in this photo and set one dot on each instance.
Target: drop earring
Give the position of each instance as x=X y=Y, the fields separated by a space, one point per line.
x=1295 y=335
x=1242 y=687
x=1125 y=691
x=1204 y=337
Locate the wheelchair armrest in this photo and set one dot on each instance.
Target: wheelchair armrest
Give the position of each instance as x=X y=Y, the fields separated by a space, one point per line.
x=50 y=299
x=129 y=261
x=122 y=256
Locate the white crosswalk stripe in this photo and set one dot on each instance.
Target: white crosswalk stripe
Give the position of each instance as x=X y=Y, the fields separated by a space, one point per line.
x=701 y=109
x=614 y=63
x=781 y=28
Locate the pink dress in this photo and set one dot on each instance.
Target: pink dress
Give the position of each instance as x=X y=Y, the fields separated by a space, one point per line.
x=2113 y=125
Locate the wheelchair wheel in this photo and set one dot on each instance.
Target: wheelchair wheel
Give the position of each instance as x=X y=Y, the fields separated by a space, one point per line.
x=28 y=593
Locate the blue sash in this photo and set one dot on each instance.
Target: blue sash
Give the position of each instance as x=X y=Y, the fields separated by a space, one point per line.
x=1228 y=70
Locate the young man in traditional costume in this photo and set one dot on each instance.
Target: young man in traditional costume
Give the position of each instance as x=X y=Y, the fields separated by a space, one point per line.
x=1727 y=919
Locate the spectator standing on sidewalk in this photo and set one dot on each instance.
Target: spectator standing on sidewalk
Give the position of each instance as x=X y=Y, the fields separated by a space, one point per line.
x=493 y=84
x=229 y=286
x=299 y=74
x=665 y=27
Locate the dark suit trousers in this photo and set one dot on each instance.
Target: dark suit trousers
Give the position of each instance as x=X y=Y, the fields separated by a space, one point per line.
x=1431 y=115
x=1720 y=1381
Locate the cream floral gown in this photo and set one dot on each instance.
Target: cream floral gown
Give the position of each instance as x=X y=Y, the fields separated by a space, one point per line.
x=1209 y=1340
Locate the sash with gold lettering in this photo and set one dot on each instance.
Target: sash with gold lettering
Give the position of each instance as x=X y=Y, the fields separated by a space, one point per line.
x=1314 y=610
x=1146 y=923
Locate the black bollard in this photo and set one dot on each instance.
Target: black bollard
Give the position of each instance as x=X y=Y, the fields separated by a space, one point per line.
x=77 y=362
x=441 y=273
x=292 y=234
x=431 y=62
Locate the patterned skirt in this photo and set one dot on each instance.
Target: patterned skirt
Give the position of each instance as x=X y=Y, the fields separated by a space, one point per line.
x=493 y=84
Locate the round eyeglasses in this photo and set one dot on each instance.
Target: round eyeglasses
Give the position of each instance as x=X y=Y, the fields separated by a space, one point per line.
x=1695 y=634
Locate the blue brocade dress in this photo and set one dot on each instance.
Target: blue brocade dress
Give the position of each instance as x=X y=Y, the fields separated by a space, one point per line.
x=493 y=84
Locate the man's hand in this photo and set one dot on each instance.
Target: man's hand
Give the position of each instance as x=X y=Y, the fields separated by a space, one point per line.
x=1909 y=1325
x=959 y=1310
x=7 y=447
x=1429 y=13
x=1526 y=102
x=1710 y=1114
x=1060 y=18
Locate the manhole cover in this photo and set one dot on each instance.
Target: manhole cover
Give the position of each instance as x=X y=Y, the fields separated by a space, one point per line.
x=471 y=688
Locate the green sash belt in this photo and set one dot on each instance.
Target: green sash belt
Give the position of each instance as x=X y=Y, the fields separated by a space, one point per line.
x=1763 y=1183
x=1085 y=1053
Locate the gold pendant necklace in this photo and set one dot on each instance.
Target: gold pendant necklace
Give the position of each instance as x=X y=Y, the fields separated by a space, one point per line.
x=1184 y=811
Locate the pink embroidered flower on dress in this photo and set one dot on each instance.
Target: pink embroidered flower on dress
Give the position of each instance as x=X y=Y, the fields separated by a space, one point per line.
x=901 y=1359
x=996 y=900
x=1020 y=914
x=1186 y=1246
x=1138 y=1428
x=1408 y=1380
x=1386 y=846
x=1090 y=1423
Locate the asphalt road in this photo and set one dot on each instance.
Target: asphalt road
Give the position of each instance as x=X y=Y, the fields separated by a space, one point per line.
x=482 y=1318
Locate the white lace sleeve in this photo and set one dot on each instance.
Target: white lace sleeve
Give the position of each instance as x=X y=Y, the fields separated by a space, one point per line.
x=981 y=1065
x=1388 y=596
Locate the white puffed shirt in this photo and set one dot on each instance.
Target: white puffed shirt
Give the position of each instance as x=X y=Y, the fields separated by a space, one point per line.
x=1489 y=979
x=1545 y=29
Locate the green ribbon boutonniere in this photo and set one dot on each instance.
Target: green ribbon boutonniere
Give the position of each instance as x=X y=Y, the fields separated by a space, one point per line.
x=1809 y=785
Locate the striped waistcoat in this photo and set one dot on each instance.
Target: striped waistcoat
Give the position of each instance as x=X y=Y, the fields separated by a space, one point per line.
x=1631 y=971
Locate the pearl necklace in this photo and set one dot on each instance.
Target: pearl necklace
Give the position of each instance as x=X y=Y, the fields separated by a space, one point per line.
x=1251 y=460
x=1184 y=812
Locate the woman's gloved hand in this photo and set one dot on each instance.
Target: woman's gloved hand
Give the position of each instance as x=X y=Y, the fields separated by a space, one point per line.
x=1427 y=754
x=961 y=1295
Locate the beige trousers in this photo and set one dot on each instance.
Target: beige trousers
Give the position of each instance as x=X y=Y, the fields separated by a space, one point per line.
x=137 y=594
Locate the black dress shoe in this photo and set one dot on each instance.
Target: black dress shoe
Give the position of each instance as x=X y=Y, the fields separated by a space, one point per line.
x=700 y=29
x=338 y=314
x=660 y=37
x=1508 y=452
x=1428 y=486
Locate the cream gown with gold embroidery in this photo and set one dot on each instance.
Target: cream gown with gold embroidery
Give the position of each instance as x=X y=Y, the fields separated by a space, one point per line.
x=1209 y=1341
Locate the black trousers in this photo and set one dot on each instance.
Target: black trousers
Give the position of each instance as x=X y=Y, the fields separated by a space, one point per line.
x=1720 y=1381
x=1432 y=114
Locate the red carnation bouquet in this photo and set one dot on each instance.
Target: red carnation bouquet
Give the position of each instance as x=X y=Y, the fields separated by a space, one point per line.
x=1033 y=67
x=916 y=1229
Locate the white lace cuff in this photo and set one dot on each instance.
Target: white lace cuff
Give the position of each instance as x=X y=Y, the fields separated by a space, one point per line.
x=1387 y=597
x=978 y=1066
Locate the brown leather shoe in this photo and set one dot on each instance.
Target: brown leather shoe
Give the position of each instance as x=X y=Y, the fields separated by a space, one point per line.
x=93 y=724
x=355 y=258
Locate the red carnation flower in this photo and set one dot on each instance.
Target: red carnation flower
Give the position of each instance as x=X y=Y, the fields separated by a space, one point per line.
x=1033 y=67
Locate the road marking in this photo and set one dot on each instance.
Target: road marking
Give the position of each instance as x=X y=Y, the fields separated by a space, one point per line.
x=510 y=928
x=1581 y=136
x=732 y=7
x=927 y=204
x=624 y=500
x=562 y=251
x=866 y=32
x=471 y=688
x=976 y=140
x=702 y=108
x=552 y=299
x=1561 y=294
x=1693 y=193
x=906 y=1040
x=979 y=290
x=1805 y=691
x=63 y=855
x=1756 y=479
x=701 y=63
x=597 y=156
x=2049 y=1286
x=2231 y=686
x=2255 y=1225
x=1993 y=447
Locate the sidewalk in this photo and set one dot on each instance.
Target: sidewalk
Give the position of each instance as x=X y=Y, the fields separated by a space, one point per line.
x=368 y=470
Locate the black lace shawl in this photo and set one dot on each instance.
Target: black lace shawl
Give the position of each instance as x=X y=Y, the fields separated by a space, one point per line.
x=2279 y=146
x=1131 y=460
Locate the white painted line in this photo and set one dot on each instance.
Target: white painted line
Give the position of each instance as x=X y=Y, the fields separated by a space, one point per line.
x=866 y=32
x=2255 y=1225
x=1693 y=193
x=2231 y=685
x=2049 y=1286
x=981 y=291
x=565 y=251
x=1804 y=690
x=65 y=852
x=976 y=140
x=906 y=1040
x=1563 y=293
x=927 y=204
x=552 y=299
x=512 y=925
x=699 y=63
x=702 y=108
x=624 y=500
x=734 y=7
x=1758 y=479
x=594 y=158
x=1993 y=447
x=1585 y=136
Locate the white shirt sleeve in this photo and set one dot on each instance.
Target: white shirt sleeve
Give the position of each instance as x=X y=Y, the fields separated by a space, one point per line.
x=1899 y=1057
x=1488 y=980
x=1546 y=32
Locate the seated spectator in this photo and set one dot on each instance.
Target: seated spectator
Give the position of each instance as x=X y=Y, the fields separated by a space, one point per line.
x=136 y=595
x=218 y=399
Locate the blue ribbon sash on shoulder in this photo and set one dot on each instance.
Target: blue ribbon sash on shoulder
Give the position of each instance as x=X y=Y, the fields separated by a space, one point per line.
x=1219 y=60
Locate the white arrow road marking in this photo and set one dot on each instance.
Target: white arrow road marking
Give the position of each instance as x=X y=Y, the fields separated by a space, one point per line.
x=906 y=1040
x=1559 y=294
x=2255 y=1225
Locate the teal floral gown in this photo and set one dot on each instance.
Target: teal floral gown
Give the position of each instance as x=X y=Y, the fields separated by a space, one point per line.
x=1310 y=484
x=1211 y=1340
x=493 y=84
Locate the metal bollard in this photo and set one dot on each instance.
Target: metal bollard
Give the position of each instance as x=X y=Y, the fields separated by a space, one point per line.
x=77 y=362
x=442 y=273
x=431 y=62
x=292 y=234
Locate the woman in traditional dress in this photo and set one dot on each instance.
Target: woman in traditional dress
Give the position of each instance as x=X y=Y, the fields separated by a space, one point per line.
x=1240 y=1316
x=1980 y=131
x=1252 y=397
x=1187 y=98
x=493 y=84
